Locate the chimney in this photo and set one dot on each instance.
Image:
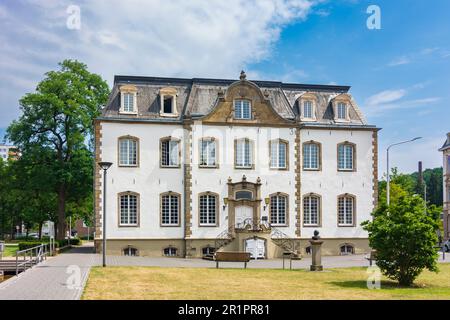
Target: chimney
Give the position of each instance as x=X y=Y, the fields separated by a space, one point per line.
x=420 y=173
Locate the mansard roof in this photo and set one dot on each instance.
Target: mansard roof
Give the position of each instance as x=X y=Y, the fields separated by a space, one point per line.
x=446 y=143
x=198 y=97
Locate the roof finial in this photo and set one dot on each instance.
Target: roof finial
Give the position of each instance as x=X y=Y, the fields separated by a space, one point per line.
x=243 y=76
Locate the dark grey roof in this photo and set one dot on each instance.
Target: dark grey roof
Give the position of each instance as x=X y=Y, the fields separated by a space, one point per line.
x=446 y=143
x=198 y=96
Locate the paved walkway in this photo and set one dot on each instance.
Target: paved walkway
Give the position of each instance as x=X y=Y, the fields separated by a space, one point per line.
x=63 y=277
x=58 y=278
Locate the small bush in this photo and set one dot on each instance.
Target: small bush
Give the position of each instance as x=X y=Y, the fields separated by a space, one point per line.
x=58 y=243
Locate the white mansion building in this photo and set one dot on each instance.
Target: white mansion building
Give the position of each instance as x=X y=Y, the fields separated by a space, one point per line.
x=209 y=164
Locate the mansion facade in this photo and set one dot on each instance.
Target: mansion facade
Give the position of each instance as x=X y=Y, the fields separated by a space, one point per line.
x=201 y=165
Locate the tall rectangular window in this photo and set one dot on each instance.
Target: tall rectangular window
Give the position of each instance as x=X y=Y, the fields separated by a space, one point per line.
x=128 y=210
x=128 y=102
x=278 y=208
x=311 y=210
x=169 y=153
x=208 y=210
x=242 y=109
x=278 y=154
x=128 y=149
x=243 y=154
x=170 y=210
x=168 y=104
x=307 y=109
x=342 y=110
x=207 y=153
x=345 y=211
x=345 y=156
x=311 y=156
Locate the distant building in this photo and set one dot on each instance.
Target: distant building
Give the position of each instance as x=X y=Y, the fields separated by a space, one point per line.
x=7 y=152
x=446 y=188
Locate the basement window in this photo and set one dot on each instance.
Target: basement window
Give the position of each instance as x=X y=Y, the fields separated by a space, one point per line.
x=170 y=252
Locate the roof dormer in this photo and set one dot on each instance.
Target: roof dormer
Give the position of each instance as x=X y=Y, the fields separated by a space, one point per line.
x=128 y=100
x=168 y=102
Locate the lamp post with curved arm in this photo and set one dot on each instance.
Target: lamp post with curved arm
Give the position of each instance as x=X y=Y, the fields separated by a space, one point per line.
x=387 y=164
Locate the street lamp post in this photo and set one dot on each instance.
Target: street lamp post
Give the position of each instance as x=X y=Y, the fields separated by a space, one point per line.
x=105 y=166
x=387 y=165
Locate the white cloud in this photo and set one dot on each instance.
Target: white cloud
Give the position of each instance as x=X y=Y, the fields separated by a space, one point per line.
x=399 y=61
x=386 y=96
x=161 y=38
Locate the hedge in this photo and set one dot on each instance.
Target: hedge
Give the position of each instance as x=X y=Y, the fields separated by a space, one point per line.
x=58 y=243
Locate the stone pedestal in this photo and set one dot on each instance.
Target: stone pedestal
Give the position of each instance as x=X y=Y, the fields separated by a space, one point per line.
x=316 y=254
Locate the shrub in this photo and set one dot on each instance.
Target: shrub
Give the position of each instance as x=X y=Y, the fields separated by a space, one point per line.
x=58 y=243
x=404 y=237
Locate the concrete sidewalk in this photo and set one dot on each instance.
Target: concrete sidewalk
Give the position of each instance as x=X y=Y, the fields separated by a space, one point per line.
x=58 y=278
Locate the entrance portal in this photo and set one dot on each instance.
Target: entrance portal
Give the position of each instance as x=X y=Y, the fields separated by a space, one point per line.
x=256 y=247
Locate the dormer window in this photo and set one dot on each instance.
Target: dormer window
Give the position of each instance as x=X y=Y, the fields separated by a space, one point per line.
x=128 y=103
x=168 y=102
x=307 y=105
x=242 y=109
x=308 y=109
x=342 y=111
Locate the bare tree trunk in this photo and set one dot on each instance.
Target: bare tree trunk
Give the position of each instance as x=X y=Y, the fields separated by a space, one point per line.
x=40 y=230
x=61 y=230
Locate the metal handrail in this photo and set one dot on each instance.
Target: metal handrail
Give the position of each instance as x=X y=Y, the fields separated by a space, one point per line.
x=40 y=253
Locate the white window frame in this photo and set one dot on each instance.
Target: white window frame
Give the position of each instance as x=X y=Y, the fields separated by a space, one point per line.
x=241 y=154
x=239 y=110
x=129 y=157
x=122 y=102
x=308 y=213
x=308 y=158
x=275 y=156
x=206 y=153
x=211 y=216
x=275 y=208
x=168 y=211
x=343 y=215
x=173 y=156
x=127 y=213
x=345 y=158
x=304 y=114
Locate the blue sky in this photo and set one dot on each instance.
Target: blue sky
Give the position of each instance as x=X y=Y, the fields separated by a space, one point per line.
x=400 y=75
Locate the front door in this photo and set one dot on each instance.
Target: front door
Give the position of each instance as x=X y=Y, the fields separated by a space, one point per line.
x=256 y=248
x=243 y=213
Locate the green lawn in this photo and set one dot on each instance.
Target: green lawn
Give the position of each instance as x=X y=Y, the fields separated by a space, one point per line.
x=10 y=250
x=202 y=284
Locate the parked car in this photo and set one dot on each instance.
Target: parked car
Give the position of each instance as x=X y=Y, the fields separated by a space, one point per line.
x=446 y=246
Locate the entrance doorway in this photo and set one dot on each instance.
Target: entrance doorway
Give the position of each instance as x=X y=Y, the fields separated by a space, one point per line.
x=256 y=247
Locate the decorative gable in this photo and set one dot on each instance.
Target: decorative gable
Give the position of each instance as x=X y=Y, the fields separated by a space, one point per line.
x=262 y=111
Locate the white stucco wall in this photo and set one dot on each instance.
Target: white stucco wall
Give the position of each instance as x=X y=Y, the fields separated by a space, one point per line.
x=149 y=180
x=329 y=183
x=215 y=180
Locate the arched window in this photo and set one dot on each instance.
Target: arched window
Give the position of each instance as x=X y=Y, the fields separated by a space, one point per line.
x=170 y=152
x=278 y=209
x=311 y=155
x=170 y=209
x=208 y=209
x=243 y=150
x=346 y=156
x=170 y=252
x=346 y=249
x=346 y=210
x=128 y=151
x=130 y=251
x=279 y=154
x=311 y=210
x=128 y=209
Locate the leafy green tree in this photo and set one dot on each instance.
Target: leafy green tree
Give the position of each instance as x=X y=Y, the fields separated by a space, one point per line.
x=56 y=124
x=404 y=236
